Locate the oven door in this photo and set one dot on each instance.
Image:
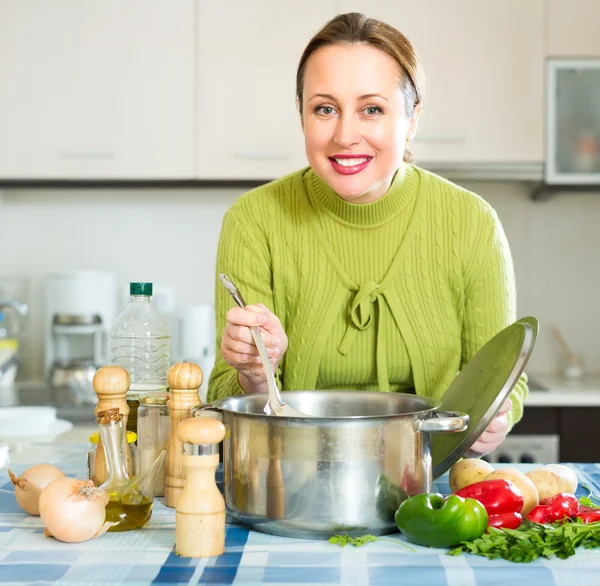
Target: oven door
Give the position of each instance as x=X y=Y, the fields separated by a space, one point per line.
x=527 y=449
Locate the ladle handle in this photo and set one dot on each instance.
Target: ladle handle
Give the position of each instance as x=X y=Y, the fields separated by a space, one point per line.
x=274 y=396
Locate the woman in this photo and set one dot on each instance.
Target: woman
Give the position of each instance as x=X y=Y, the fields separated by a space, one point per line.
x=378 y=274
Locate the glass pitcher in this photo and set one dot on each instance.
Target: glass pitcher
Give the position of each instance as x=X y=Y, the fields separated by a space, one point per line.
x=130 y=500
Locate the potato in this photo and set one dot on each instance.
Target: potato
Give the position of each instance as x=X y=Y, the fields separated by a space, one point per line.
x=468 y=471
x=569 y=476
x=531 y=498
x=552 y=479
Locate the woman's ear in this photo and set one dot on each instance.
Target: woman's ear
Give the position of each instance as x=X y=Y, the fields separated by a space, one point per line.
x=414 y=122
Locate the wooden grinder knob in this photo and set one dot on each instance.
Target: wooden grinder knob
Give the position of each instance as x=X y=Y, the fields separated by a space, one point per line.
x=200 y=513
x=111 y=384
x=184 y=380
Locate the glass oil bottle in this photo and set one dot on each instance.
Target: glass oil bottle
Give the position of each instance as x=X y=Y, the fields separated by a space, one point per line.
x=130 y=500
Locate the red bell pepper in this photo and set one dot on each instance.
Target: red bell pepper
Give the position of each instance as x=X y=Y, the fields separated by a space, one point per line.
x=555 y=508
x=588 y=514
x=505 y=520
x=502 y=500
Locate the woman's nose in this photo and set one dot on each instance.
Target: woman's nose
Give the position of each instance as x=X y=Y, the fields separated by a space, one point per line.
x=347 y=131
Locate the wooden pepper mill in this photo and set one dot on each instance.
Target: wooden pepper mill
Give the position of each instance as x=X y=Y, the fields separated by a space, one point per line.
x=111 y=384
x=184 y=381
x=200 y=512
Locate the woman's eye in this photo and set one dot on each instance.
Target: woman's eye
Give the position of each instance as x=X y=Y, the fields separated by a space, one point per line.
x=373 y=110
x=325 y=110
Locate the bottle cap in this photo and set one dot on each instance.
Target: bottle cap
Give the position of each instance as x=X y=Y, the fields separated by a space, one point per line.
x=131 y=437
x=140 y=289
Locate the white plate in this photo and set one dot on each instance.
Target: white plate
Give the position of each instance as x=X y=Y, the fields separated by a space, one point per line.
x=47 y=435
x=26 y=421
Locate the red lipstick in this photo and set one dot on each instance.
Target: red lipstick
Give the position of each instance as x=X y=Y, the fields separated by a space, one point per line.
x=352 y=169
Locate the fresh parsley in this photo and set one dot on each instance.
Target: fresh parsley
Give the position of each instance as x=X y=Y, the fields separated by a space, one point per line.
x=531 y=541
x=589 y=500
x=344 y=540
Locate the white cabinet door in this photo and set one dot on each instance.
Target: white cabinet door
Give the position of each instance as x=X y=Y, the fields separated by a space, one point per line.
x=96 y=90
x=248 y=123
x=573 y=28
x=484 y=64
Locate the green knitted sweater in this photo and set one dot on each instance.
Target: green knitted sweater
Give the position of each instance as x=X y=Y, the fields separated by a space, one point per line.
x=395 y=295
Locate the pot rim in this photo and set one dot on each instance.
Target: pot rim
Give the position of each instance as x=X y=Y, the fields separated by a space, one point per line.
x=218 y=406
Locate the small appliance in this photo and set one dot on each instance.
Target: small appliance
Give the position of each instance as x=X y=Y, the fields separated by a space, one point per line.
x=196 y=340
x=80 y=308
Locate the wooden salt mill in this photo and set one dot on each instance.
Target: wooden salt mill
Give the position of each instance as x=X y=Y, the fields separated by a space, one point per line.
x=111 y=384
x=200 y=512
x=184 y=381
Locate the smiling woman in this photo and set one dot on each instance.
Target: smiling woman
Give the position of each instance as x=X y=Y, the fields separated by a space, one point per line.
x=378 y=274
x=359 y=82
x=355 y=140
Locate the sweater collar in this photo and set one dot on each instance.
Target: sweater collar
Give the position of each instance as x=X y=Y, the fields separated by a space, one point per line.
x=403 y=186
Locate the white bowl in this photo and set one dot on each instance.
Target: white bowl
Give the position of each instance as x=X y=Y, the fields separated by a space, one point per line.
x=26 y=421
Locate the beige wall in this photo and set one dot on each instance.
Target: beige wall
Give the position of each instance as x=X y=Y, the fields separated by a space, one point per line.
x=170 y=237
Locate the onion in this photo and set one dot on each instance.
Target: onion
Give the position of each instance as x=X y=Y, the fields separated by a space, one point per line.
x=74 y=510
x=30 y=484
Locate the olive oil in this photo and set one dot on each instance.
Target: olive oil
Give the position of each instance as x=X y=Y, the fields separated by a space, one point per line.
x=129 y=517
x=130 y=500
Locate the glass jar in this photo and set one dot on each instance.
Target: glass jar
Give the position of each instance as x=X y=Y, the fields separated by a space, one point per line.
x=133 y=402
x=91 y=458
x=153 y=432
x=130 y=500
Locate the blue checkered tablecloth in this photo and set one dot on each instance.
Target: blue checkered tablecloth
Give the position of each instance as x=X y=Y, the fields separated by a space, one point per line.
x=148 y=556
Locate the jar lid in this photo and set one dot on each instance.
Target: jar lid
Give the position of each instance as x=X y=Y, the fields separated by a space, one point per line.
x=156 y=401
x=131 y=437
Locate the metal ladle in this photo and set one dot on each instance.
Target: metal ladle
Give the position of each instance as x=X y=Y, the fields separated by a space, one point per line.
x=275 y=404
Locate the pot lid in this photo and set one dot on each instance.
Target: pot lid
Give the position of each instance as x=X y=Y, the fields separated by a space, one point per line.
x=481 y=388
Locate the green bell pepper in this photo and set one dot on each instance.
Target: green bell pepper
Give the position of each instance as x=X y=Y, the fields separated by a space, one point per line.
x=431 y=520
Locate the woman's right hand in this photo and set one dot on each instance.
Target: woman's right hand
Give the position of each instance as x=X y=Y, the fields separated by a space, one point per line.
x=240 y=351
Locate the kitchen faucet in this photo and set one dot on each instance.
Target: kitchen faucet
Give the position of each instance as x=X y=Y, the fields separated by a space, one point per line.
x=20 y=308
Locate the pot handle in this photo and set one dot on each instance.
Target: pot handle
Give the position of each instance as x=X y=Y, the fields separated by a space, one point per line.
x=444 y=421
x=207 y=410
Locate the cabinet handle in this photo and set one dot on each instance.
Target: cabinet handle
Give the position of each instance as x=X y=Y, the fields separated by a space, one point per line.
x=261 y=156
x=86 y=154
x=439 y=138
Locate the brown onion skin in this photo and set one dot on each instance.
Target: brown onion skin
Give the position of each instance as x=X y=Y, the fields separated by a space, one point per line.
x=31 y=483
x=73 y=510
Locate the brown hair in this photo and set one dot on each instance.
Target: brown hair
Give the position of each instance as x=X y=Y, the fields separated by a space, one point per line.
x=353 y=28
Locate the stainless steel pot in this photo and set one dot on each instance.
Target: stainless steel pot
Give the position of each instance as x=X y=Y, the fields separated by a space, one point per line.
x=344 y=470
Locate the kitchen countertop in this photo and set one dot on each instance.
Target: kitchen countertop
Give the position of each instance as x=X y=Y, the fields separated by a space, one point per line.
x=73 y=408
x=147 y=556
x=544 y=391
x=554 y=391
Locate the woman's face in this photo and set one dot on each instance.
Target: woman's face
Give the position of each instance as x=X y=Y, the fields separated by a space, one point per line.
x=354 y=120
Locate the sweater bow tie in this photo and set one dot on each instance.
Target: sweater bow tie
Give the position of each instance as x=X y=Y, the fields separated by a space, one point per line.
x=361 y=310
x=361 y=316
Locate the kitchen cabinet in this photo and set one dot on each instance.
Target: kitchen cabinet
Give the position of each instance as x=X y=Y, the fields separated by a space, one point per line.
x=97 y=90
x=484 y=65
x=572 y=29
x=577 y=427
x=247 y=122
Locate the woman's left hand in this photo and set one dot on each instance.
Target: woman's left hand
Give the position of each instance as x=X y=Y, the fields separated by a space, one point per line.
x=494 y=434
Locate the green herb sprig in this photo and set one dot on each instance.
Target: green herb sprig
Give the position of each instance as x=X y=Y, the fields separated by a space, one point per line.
x=589 y=500
x=344 y=540
x=531 y=541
